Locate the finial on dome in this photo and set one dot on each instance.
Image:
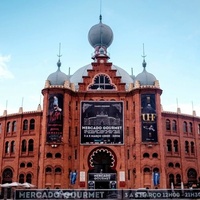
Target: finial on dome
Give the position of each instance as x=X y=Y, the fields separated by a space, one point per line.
x=100 y=18
x=144 y=64
x=59 y=55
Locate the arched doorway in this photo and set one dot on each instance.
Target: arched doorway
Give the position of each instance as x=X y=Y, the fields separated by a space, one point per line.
x=7 y=178
x=192 y=177
x=102 y=173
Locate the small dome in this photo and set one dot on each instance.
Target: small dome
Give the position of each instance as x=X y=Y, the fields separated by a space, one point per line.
x=100 y=35
x=58 y=77
x=146 y=78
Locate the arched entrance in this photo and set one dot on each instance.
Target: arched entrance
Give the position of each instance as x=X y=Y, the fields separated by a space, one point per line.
x=192 y=177
x=7 y=178
x=102 y=173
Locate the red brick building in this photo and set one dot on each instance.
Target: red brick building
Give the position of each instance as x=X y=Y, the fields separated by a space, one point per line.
x=100 y=128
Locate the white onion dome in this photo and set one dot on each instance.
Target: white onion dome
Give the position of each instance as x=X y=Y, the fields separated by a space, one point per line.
x=145 y=78
x=100 y=35
x=58 y=77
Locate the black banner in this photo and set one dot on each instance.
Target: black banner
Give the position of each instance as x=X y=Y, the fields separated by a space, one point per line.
x=102 y=122
x=106 y=194
x=148 y=118
x=55 y=118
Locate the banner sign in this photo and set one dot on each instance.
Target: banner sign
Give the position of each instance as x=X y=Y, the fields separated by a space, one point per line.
x=148 y=118
x=102 y=176
x=102 y=122
x=55 y=118
x=106 y=194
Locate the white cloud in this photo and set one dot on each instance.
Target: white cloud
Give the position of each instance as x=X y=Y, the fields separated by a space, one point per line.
x=4 y=72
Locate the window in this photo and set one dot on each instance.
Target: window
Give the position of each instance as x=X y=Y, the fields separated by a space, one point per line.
x=170 y=164
x=21 y=178
x=75 y=154
x=192 y=147
x=23 y=146
x=8 y=128
x=155 y=155
x=186 y=147
x=178 y=179
x=175 y=146
x=171 y=179
x=12 y=149
x=0 y=128
x=14 y=126
x=7 y=148
x=28 y=178
x=190 y=127
x=198 y=128
x=30 y=145
x=145 y=155
x=25 y=125
x=101 y=82
x=22 y=165
x=49 y=155
x=169 y=145
x=58 y=170
x=177 y=165
x=32 y=124
x=29 y=164
x=146 y=169
x=48 y=170
x=185 y=127
x=168 y=126
x=174 y=126
x=58 y=155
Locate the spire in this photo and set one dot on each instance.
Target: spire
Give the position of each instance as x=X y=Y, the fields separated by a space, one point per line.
x=59 y=55
x=144 y=64
x=100 y=16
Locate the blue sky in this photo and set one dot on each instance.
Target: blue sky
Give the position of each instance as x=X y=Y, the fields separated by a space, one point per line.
x=30 y=33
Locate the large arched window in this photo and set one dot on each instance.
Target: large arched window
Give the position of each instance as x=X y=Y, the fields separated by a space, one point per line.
x=21 y=178
x=23 y=147
x=8 y=128
x=30 y=145
x=171 y=179
x=185 y=130
x=25 y=125
x=169 y=145
x=178 y=179
x=7 y=147
x=101 y=82
x=192 y=147
x=175 y=146
x=14 y=126
x=29 y=178
x=186 y=147
x=12 y=148
x=190 y=127
x=174 y=126
x=168 y=125
x=32 y=124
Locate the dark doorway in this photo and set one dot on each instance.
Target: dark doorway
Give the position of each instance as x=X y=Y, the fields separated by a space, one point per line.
x=102 y=185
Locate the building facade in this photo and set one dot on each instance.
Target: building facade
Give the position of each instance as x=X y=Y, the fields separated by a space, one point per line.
x=100 y=128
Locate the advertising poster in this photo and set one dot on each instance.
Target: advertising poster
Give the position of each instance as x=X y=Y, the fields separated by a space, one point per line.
x=148 y=118
x=102 y=122
x=55 y=118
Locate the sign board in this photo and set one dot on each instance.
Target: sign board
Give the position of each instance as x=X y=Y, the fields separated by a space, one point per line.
x=102 y=122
